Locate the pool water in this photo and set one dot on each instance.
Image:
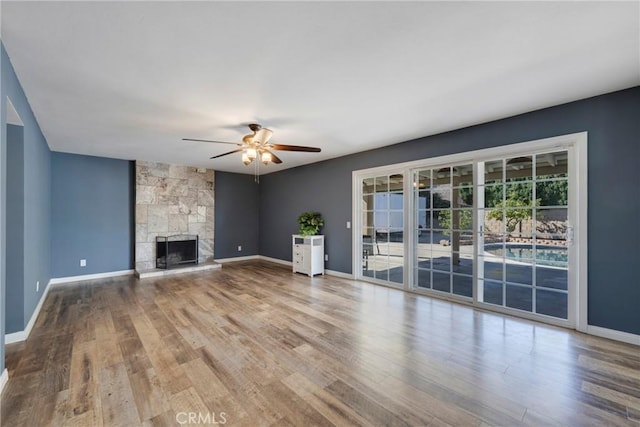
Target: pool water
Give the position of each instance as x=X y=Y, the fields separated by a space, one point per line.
x=544 y=255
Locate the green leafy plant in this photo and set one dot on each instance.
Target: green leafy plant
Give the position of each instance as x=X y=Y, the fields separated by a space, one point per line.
x=310 y=223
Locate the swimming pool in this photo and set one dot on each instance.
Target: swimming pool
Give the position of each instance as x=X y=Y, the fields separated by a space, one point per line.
x=555 y=256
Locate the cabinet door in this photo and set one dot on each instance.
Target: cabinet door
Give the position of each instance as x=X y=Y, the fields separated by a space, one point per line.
x=306 y=258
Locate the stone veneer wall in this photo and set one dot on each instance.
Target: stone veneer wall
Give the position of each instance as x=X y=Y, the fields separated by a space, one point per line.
x=172 y=199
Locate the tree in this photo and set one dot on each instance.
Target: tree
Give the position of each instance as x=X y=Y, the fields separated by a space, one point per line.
x=465 y=220
x=515 y=211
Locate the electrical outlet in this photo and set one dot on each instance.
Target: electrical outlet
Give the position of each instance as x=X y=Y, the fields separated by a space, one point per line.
x=326 y=257
x=83 y=263
x=348 y=224
x=239 y=248
x=38 y=286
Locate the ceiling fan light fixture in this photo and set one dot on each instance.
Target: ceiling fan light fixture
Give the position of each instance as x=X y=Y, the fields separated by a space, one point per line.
x=266 y=157
x=251 y=153
x=245 y=159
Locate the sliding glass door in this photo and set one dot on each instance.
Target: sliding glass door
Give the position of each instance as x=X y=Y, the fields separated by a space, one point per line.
x=496 y=231
x=523 y=247
x=382 y=228
x=443 y=251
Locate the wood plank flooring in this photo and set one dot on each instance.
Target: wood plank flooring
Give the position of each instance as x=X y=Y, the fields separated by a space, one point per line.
x=254 y=345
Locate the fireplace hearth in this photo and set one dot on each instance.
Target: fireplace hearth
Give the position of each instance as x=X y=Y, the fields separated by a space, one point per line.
x=177 y=250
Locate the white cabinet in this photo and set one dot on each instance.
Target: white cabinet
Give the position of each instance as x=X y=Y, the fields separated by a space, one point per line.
x=308 y=254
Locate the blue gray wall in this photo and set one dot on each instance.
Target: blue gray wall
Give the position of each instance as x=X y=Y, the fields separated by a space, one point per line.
x=614 y=201
x=236 y=215
x=92 y=214
x=14 y=287
x=37 y=196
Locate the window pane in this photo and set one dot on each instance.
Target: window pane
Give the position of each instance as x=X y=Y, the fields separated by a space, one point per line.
x=382 y=274
x=552 y=256
x=463 y=176
x=552 y=193
x=552 y=278
x=493 y=171
x=424 y=220
x=396 y=219
x=492 y=292
x=519 y=252
x=367 y=185
x=424 y=256
x=367 y=201
x=462 y=262
x=551 y=303
x=519 y=194
x=396 y=200
x=493 y=220
x=519 y=297
x=396 y=235
x=493 y=195
x=517 y=273
x=462 y=285
x=396 y=272
x=442 y=219
x=551 y=221
x=423 y=278
x=423 y=179
x=424 y=199
x=381 y=219
x=551 y=165
x=492 y=268
x=441 y=258
x=382 y=184
x=382 y=237
x=441 y=282
x=442 y=177
x=462 y=219
x=441 y=197
x=519 y=168
x=381 y=201
x=463 y=197
x=396 y=182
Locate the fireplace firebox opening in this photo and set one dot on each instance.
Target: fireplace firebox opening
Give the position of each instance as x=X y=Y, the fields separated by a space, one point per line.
x=176 y=250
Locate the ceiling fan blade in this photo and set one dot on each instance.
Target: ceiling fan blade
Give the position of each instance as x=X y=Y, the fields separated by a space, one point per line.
x=275 y=159
x=283 y=147
x=208 y=140
x=226 y=154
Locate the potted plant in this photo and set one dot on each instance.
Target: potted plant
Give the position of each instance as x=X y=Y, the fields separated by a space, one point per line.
x=310 y=223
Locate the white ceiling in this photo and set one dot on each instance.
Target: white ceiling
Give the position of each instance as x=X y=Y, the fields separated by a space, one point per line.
x=130 y=79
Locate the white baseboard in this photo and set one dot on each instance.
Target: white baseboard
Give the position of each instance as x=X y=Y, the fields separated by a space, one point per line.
x=289 y=263
x=4 y=378
x=24 y=334
x=71 y=279
x=613 y=334
x=276 y=260
x=238 y=258
x=15 y=337
x=338 y=274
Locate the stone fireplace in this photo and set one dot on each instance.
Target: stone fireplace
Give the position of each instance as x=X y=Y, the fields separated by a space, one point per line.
x=171 y=200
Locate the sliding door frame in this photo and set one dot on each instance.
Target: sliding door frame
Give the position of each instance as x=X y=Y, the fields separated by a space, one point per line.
x=575 y=144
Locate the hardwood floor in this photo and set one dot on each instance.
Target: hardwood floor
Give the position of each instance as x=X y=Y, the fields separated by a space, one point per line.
x=253 y=344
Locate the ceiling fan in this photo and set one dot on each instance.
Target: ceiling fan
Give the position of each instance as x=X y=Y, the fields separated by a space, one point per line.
x=257 y=146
